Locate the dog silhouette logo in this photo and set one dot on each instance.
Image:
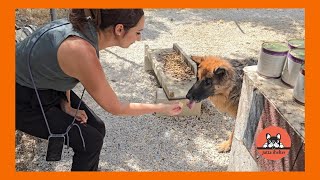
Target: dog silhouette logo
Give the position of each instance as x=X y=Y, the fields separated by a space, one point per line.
x=273 y=143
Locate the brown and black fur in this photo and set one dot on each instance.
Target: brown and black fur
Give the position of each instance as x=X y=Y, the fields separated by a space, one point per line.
x=220 y=81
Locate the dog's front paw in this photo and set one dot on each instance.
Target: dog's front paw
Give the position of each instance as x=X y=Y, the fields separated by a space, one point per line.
x=224 y=147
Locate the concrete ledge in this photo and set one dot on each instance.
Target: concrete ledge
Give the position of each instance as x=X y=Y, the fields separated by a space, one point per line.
x=241 y=159
x=266 y=102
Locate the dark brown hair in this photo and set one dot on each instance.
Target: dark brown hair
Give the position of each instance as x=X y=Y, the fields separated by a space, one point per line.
x=104 y=18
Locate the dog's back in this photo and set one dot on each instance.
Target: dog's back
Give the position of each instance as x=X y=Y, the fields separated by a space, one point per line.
x=238 y=65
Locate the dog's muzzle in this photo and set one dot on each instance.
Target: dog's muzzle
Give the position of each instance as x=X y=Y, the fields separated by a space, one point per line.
x=191 y=101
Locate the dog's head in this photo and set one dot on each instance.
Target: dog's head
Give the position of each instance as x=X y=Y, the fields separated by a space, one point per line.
x=215 y=76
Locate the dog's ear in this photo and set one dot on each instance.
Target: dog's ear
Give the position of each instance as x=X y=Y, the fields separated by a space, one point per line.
x=197 y=59
x=279 y=136
x=268 y=136
x=220 y=72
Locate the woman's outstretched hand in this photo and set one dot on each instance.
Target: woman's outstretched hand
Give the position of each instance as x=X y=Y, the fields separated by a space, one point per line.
x=172 y=109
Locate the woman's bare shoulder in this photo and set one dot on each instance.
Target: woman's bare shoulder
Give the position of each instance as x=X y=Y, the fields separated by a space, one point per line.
x=74 y=53
x=76 y=45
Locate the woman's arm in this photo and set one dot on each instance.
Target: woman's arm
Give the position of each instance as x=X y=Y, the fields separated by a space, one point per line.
x=78 y=59
x=66 y=107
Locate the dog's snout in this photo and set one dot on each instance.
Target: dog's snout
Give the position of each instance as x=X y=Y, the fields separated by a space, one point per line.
x=189 y=96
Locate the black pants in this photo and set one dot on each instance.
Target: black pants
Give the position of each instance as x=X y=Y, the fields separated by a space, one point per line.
x=29 y=119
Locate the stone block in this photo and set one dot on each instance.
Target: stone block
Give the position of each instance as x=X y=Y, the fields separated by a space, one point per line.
x=240 y=158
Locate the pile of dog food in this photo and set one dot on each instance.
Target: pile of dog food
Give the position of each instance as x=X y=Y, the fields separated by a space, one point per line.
x=175 y=66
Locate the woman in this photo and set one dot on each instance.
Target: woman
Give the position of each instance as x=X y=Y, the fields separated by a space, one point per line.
x=58 y=56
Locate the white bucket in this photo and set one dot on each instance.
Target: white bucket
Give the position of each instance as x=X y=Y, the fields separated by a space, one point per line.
x=295 y=59
x=298 y=91
x=272 y=58
x=296 y=43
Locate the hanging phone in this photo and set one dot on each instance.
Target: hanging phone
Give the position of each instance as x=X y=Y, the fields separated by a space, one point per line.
x=55 y=147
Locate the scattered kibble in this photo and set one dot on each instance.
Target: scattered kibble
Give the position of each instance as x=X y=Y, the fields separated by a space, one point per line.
x=175 y=66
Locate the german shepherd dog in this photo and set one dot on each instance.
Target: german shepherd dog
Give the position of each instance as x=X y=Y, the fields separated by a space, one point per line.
x=220 y=81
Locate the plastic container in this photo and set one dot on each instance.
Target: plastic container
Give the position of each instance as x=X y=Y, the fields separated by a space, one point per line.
x=296 y=43
x=294 y=61
x=272 y=59
x=298 y=90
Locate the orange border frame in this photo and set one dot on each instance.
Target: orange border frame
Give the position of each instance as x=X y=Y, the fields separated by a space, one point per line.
x=7 y=150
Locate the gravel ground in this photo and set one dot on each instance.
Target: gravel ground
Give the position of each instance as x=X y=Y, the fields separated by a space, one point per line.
x=150 y=143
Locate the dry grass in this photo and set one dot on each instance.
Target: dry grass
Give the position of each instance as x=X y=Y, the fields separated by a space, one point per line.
x=37 y=17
